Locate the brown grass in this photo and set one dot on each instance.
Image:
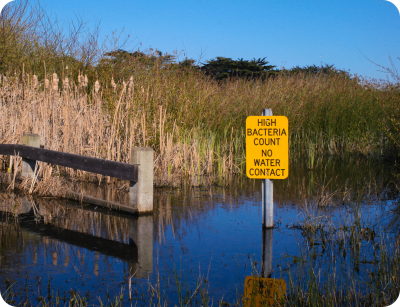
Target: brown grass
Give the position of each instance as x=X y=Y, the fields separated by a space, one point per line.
x=195 y=125
x=70 y=121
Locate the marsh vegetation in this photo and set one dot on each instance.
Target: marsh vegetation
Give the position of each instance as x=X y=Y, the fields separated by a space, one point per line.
x=341 y=242
x=82 y=97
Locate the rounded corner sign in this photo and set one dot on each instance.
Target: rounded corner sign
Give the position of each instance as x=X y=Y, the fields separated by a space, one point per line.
x=267 y=147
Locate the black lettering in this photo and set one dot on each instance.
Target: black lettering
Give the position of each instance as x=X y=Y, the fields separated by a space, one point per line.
x=263 y=153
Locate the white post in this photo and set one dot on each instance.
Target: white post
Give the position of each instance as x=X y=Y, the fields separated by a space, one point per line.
x=267 y=194
x=141 y=192
x=28 y=165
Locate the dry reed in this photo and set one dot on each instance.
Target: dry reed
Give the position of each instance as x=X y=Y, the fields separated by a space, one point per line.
x=194 y=124
x=70 y=121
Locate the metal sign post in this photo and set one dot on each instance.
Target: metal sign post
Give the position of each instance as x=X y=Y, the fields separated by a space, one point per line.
x=267 y=158
x=267 y=155
x=267 y=187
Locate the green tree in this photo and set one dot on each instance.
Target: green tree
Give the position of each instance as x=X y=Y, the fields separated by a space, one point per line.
x=315 y=70
x=31 y=42
x=123 y=57
x=121 y=64
x=222 y=68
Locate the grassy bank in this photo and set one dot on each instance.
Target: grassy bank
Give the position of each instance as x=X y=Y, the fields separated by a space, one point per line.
x=195 y=125
x=84 y=97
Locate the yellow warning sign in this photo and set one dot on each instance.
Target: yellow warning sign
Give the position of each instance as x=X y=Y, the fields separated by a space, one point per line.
x=267 y=147
x=263 y=291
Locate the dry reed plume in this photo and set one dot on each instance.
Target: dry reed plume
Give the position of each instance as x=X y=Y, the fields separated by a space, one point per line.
x=70 y=120
x=194 y=124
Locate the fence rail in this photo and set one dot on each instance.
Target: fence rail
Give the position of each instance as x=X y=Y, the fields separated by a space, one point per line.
x=139 y=172
x=93 y=165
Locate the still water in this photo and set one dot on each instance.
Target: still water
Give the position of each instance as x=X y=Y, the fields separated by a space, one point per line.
x=201 y=242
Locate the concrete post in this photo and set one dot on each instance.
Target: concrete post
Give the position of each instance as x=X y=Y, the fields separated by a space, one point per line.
x=28 y=165
x=141 y=192
x=141 y=236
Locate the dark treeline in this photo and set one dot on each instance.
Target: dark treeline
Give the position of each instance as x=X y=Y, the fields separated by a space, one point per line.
x=31 y=42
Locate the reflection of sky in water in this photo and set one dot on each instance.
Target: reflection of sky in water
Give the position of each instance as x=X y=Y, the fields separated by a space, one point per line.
x=216 y=237
x=226 y=240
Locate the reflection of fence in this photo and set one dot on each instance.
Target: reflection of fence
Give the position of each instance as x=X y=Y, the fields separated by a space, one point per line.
x=128 y=238
x=139 y=172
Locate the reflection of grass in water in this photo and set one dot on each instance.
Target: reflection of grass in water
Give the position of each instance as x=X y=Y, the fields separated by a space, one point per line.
x=305 y=287
x=380 y=289
x=8 y=294
x=313 y=274
x=317 y=278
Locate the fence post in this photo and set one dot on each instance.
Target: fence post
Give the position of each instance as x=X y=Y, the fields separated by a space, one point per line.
x=28 y=165
x=141 y=192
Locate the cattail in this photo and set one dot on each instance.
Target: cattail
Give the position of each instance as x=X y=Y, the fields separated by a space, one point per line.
x=35 y=81
x=113 y=85
x=131 y=84
x=123 y=86
x=55 y=82
x=46 y=83
x=66 y=83
x=97 y=86
x=85 y=84
x=79 y=80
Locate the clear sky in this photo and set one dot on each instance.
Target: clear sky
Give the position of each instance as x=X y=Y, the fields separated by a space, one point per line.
x=287 y=32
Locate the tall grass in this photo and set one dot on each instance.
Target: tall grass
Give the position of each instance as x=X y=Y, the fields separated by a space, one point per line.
x=194 y=124
x=80 y=99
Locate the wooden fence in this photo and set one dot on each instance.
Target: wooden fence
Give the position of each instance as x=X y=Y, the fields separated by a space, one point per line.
x=139 y=172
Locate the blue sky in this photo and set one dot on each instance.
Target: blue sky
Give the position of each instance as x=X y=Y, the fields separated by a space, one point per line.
x=287 y=32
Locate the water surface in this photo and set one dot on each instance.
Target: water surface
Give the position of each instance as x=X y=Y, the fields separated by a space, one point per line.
x=201 y=242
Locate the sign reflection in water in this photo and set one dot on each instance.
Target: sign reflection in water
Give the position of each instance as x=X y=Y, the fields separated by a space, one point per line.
x=264 y=290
